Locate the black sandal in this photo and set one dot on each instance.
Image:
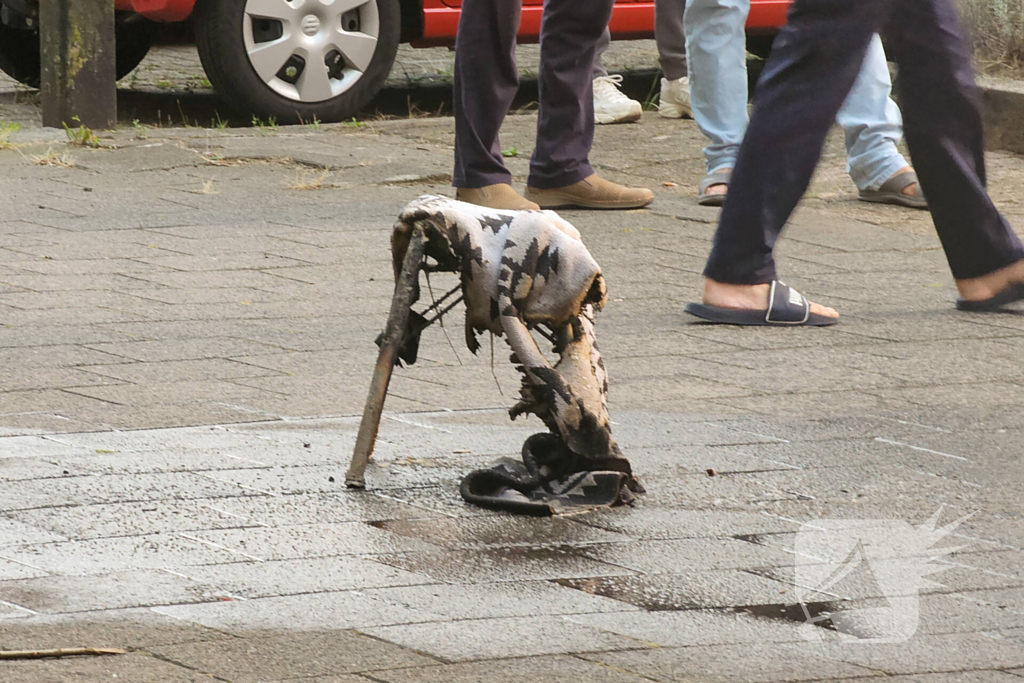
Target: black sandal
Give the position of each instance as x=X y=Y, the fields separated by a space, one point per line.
x=1010 y=295
x=786 y=307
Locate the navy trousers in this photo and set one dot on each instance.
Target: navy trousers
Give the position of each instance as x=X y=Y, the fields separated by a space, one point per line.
x=813 y=65
x=486 y=80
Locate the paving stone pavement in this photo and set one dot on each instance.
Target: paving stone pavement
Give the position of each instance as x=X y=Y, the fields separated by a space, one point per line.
x=186 y=326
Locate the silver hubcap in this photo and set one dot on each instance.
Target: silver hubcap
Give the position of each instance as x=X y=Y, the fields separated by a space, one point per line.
x=310 y=25
x=310 y=50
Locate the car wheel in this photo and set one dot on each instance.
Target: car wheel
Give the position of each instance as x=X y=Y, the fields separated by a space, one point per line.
x=298 y=60
x=19 y=48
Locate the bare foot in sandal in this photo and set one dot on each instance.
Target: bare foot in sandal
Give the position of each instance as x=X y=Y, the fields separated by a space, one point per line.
x=1006 y=283
x=911 y=189
x=901 y=189
x=750 y=297
x=713 y=187
x=719 y=188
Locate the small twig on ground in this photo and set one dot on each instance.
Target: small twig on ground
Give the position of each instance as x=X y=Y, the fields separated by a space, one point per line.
x=61 y=652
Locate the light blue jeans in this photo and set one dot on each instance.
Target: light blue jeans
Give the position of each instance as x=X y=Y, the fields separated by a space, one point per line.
x=716 y=54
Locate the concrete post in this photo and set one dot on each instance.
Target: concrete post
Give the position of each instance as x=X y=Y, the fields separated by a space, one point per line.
x=78 y=63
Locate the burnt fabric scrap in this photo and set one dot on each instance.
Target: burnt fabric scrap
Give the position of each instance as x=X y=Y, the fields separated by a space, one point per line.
x=519 y=271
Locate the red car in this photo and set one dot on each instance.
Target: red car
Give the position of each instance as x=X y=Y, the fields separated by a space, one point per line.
x=255 y=52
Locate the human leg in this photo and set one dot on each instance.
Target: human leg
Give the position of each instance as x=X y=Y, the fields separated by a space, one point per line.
x=674 y=97
x=560 y=171
x=565 y=121
x=813 y=65
x=670 y=37
x=610 y=105
x=872 y=123
x=602 y=45
x=944 y=133
x=815 y=62
x=485 y=82
x=717 y=63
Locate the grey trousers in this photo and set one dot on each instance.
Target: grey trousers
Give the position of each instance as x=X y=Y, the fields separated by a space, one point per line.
x=668 y=33
x=486 y=80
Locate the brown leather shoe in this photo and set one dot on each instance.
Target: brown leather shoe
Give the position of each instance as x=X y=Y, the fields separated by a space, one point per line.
x=592 y=192
x=499 y=196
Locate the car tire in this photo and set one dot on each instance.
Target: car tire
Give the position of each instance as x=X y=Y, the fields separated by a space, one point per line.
x=257 y=55
x=19 y=49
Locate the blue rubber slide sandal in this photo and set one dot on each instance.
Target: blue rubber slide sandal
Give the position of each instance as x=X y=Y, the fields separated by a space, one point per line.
x=786 y=307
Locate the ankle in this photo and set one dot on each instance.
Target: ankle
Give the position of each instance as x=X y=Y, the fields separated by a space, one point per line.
x=988 y=285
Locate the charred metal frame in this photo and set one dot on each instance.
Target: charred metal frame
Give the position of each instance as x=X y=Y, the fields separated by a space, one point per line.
x=406 y=290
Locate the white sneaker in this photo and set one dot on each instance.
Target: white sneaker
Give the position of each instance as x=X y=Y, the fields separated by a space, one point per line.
x=674 y=101
x=610 y=105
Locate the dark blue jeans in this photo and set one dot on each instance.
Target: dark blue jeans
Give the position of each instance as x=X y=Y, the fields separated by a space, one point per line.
x=486 y=80
x=814 y=63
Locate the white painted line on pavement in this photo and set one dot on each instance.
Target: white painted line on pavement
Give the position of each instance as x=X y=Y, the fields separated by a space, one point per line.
x=238 y=457
x=221 y=547
x=24 y=564
x=23 y=609
x=231 y=514
x=242 y=486
x=977 y=569
x=794 y=521
x=171 y=571
x=923 y=450
x=911 y=424
x=417 y=424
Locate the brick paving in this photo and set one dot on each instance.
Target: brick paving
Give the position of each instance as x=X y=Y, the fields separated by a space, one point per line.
x=186 y=340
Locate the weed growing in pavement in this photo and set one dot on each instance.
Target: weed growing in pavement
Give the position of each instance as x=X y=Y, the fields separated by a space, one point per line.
x=7 y=131
x=510 y=152
x=528 y=107
x=417 y=113
x=51 y=158
x=314 y=124
x=164 y=84
x=141 y=132
x=654 y=94
x=414 y=111
x=184 y=119
x=26 y=96
x=353 y=123
x=207 y=188
x=83 y=136
x=304 y=181
x=218 y=123
x=264 y=128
